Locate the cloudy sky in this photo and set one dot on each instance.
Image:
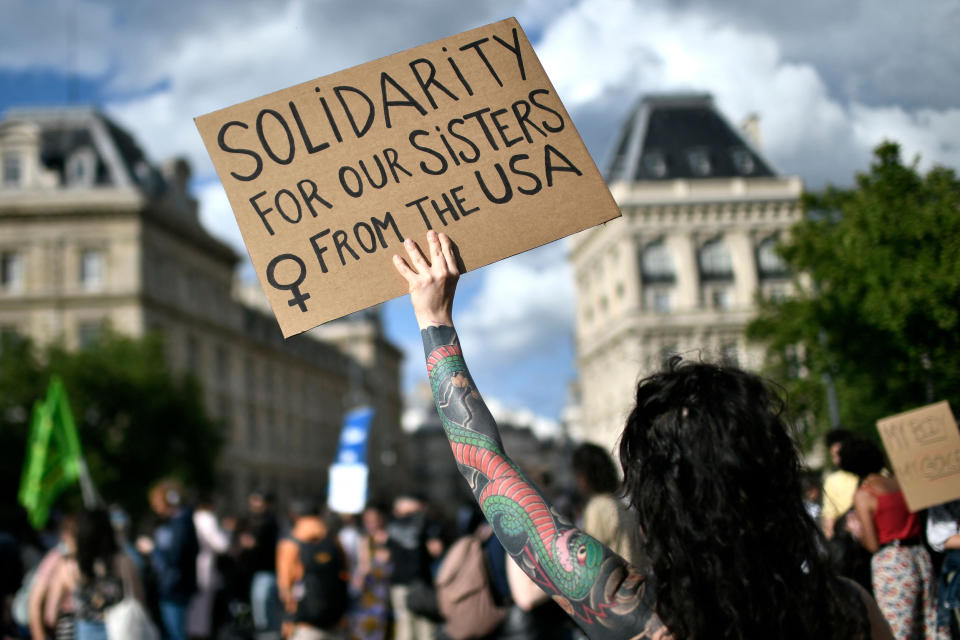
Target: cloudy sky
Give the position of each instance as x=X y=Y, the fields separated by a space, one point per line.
x=829 y=81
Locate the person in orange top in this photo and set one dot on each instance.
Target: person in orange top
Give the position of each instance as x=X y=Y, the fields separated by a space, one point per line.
x=901 y=568
x=312 y=577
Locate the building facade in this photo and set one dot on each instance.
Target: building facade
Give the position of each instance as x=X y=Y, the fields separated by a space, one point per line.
x=92 y=236
x=680 y=273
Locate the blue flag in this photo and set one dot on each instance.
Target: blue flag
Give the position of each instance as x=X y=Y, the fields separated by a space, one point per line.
x=354 y=436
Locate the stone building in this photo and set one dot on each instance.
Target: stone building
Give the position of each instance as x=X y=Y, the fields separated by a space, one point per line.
x=93 y=236
x=681 y=271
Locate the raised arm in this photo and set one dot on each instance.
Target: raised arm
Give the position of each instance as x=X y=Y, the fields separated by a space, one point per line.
x=604 y=595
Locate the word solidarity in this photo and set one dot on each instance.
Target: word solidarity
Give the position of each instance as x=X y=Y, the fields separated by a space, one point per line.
x=328 y=177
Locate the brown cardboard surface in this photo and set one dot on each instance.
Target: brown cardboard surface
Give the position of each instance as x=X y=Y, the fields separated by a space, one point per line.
x=326 y=178
x=924 y=449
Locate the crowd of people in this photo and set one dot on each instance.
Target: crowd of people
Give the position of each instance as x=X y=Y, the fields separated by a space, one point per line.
x=277 y=571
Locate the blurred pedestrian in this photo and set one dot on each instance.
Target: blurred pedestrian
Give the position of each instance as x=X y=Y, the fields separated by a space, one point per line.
x=604 y=516
x=371 y=580
x=98 y=577
x=174 y=556
x=839 y=485
x=943 y=535
x=312 y=577
x=260 y=543
x=901 y=567
x=415 y=542
x=44 y=610
x=213 y=541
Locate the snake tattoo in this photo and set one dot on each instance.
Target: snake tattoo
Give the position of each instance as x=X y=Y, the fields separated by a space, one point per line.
x=606 y=596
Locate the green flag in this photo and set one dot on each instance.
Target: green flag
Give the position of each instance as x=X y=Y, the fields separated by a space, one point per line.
x=54 y=460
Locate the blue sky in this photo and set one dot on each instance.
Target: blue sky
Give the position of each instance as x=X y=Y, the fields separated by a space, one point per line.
x=828 y=80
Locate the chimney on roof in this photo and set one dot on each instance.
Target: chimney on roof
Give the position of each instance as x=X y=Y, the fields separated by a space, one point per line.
x=751 y=129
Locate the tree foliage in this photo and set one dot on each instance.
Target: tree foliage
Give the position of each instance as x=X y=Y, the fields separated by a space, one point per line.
x=137 y=422
x=878 y=307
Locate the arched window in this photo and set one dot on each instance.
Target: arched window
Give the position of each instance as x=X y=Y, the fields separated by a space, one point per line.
x=769 y=262
x=715 y=262
x=81 y=167
x=656 y=264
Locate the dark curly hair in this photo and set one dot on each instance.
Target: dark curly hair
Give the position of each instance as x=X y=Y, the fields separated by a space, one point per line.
x=861 y=457
x=597 y=468
x=95 y=540
x=714 y=475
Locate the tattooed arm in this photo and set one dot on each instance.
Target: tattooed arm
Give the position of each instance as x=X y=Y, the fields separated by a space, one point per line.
x=603 y=594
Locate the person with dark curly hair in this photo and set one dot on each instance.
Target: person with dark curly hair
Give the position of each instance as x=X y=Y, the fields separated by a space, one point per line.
x=901 y=567
x=712 y=473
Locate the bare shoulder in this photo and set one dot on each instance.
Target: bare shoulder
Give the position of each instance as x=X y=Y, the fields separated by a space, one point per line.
x=879 y=629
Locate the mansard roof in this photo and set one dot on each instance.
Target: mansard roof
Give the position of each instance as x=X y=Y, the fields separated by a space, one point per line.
x=119 y=160
x=671 y=136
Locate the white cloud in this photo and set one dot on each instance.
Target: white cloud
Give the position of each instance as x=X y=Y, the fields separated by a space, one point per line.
x=524 y=306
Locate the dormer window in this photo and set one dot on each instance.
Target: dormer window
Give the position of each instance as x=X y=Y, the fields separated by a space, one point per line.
x=81 y=167
x=699 y=160
x=654 y=164
x=12 y=169
x=743 y=161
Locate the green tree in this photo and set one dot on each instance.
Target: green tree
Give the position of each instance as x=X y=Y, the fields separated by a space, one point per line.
x=137 y=422
x=879 y=302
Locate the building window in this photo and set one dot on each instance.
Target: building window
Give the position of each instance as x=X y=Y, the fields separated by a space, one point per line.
x=81 y=167
x=699 y=160
x=659 y=300
x=656 y=264
x=729 y=355
x=715 y=262
x=193 y=355
x=742 y=161
x=720 y=298
x=91 y=269
x=12 y=169
x=223 y=365
x=11 y=271
x=654 y=164
x=769 y=262
x=88 y=333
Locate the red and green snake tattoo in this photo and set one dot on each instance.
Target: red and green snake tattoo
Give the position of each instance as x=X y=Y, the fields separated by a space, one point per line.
x=606 y=596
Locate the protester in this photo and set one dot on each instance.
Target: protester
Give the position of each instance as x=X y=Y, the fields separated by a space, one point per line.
x=97 y=577
x=604 y=517
x=261 y=545
x=839 y=485
x=174 y=556
x=901 y=566
x=710 y=468
x=943 y=535
x=414 y=541
x=371 y=580
x=312 y=576
x=44 y=611
x=213 y=541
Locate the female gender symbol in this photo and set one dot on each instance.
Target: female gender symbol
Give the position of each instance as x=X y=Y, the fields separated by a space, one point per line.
x=298 y=299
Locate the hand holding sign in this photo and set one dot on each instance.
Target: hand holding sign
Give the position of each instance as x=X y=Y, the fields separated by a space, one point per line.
x=465 y=135
x=432 y=284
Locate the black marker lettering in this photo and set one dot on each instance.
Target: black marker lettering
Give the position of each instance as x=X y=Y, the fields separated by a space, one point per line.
x=357 y=131
x=537 y=185
x=478 y=115
x=261 y=212
x=430 y=81
x=333 y=123
x=372 y=237
x=463 y=138
x=515 y=49
x=523 y=119
x=312 y=195
x=318 y=250
x=340 y=242
x=507 y=189
x=291 y=149
x=418 y=203
x=419 y=133
x=476 y=47
x=552 y=128
x=409 y=102
x=391 y=156
x=311 y=148
x=358 y=191
x=382 y=225
x=276 y=203
x=503 y=127
x=549 y=168
x=221 y=142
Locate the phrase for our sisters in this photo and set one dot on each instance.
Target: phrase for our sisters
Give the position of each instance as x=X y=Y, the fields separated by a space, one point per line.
x=465 y=135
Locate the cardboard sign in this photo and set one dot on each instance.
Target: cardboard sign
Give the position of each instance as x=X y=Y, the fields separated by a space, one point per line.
x=465 y=135
x=924 y=448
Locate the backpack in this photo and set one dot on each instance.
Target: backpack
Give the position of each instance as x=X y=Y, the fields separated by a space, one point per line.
x=322 y=592
x=464 y=590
